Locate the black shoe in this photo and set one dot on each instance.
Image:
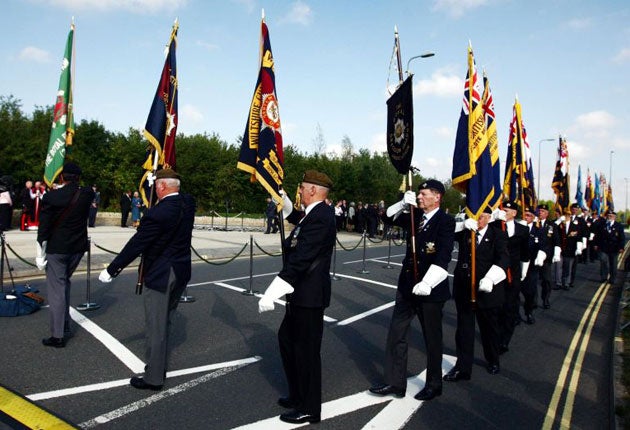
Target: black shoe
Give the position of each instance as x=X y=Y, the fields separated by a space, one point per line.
x=297 y=417
x=503 y=348
x=557 y=287
x=455 y=375
x=141 y=384
x=546 y=304
x=565 y=288
x=517 y=321
x=384 y=390
x=570 y=285
x=57 y=342
x=287 y=402
x=428 y=393
x=530 y=319
x=493 y=369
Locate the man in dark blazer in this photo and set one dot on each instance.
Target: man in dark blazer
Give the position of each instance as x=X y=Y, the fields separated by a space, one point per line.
x=518 y=250
x=305 y=278
x=572 y=240
x=609 y=240
x=62 y=240
x=551 y=247
x=420 y=293
x=163 y=239
x=125 y=207
x=491 y=262
x=529 y=286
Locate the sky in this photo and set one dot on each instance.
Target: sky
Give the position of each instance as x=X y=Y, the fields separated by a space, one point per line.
x=567 y=61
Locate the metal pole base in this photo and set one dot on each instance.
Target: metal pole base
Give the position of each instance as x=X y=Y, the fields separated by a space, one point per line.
x=187 y=299
x=389 y=266
x=364 y=271
x=88 y=306
x=335 y=278
x=250 y=293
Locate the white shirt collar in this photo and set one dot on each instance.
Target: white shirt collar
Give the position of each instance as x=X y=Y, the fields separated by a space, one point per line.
x=429 y=214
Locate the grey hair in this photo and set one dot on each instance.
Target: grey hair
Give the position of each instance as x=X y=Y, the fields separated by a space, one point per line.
x=170 y=182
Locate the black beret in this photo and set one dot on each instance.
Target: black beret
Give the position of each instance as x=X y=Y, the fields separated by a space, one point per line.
x=528 y=209
x=543 y=206
x=487 y=210
x=611 y=212
x=575 y=206
x=510 y=205
x=71 y=169
x=166 y=174
x=317 y=178
x=432 y=184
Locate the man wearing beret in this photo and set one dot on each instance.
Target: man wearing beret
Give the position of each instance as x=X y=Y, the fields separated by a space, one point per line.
x=163 y=239
x=610 y=241
x=61 y=242
x=572 y=242
x=551 y=247
x=518 y=250
x=423 y=287
x=491 y=261
x=305 y=279
x=529 y=285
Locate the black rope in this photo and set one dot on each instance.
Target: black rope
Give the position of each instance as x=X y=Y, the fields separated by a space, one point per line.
x=349 y=249
x=265 y=252
x=20 y=258
x=106 y=250
x=218 y=264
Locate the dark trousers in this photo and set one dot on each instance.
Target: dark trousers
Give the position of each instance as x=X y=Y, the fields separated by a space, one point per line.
x=488 y=321
x=530 y=289
x=300 y=340
x=544 y=274
x=92 y=216
x=59 y=270
x=124 y=217
x=568 y=270
x=509 y=313
x=608 y=266
x=430 y=316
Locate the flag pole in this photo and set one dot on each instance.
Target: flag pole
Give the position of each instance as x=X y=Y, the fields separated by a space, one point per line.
x=410 y=173
x=473 y=241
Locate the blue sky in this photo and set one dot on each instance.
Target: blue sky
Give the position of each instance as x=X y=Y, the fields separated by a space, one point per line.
x=567 y=60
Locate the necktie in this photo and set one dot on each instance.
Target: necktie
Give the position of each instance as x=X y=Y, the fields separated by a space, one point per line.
x=422 y=222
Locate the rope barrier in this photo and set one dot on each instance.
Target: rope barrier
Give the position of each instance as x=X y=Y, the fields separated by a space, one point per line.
x=104 y=249
x=219 y=264
x=374 y=241
x=265 y=252
x=349 y=249
x=20 y=258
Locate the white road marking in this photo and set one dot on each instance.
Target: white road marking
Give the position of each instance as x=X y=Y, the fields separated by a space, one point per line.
x=119 y=350
x=378 y=259
x=366 y=314
x=393 y=416
x=135 y=406
x=122 y=382
x=278 y=301
x=369 y=281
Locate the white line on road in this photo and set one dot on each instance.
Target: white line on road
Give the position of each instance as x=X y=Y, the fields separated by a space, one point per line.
x=369 y=281
x=393 y=416
x=366 y=314
x=122 y=382
x=135 y=406
x=119 y=350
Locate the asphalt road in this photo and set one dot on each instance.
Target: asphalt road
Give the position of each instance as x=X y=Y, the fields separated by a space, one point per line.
x=225 y=370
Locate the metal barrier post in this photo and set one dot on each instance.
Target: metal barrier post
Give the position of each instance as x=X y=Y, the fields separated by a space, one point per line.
x=251 y=292
x=88 y=305
x=334 y=276
x=364 y=270
x=2 y=255
x=389 y=248
x=185 y=298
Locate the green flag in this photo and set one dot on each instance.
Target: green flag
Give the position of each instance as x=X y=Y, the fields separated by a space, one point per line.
x=63 y=120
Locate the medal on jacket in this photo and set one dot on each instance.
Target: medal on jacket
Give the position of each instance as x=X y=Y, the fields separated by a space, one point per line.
x=295 y=235
x=430 y=248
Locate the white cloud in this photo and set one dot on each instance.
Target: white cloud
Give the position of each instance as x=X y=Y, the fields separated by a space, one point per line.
x=31 y=53
x=300 y=13
x=578 y=23
x=622 y=56
x=378 y=143
x=249 y=5
x=445 y=132
x=190 y=114
x=457 y=8
x=594 y=125
x=136 y=6
x=443 y=83
x=208 y=46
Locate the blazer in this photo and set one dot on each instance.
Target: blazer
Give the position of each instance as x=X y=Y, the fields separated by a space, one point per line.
x=518 y=248
x=610 y=239
x=164 y=238
x=69 y=236
x=550 y=236
x=434 y=245
x=571 y=236
x=308 y=253
x=491 y=251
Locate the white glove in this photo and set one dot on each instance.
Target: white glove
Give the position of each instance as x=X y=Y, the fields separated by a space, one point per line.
x=287 y=205
x=433 y=277
x=40 y=259
x=578 y=249
x=584 y=243
x=524 y=268
x=591 y=237
x=560 y=220
x=151 y=179
x=556 y=254
x=498 y=214
x=485 y=285
x=459 y=226
x=522 y=222
x=278 y=288
x=496 y=274
x=540 y=258
x=410 y=198
x=470 y=224
x=105 y=277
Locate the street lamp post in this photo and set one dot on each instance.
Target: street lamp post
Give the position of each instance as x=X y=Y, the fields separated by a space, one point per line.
x=625 y=209
x=539 y=142
x=610 y=169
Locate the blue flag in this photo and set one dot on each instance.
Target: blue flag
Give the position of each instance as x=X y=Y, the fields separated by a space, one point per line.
x=579 y=196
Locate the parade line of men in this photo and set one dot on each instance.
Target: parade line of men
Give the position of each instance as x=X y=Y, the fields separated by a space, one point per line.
x=499 y=259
